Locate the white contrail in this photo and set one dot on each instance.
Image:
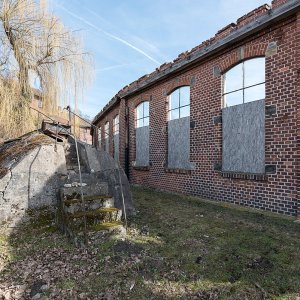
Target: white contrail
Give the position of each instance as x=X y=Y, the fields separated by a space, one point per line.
x=111 y=67
x=108 y=34
x=149 y=45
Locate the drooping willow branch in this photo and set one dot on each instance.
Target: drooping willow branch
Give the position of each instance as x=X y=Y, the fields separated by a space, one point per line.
x=32 y=41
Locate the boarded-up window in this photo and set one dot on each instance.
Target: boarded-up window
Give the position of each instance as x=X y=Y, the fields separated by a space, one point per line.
x=116 y=137
x=106 y=136
x=99 y=137
x=142 y=134
x=179 y=128
x=243 y=118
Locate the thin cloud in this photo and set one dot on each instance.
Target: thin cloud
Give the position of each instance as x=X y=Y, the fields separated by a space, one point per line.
x=136 y=39
x=111 y=67
x=108 y=34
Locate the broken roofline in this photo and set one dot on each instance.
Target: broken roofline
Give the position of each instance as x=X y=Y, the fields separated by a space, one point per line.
x=260 y=18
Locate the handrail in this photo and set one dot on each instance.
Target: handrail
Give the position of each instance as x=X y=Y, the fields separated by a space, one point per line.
x=122 y=193
x=80 y=178
x=68 y=108
x=79 y=170
x=51 y=120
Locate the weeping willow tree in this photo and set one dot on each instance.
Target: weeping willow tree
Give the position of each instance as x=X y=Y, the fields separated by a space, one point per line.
x=32 y=41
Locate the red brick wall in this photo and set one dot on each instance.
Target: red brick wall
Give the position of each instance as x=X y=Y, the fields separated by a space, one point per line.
x=278 y=193
x=297 y=166
x=85 y=135
x=109 y=118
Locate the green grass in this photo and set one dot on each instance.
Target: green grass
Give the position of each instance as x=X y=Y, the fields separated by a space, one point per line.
x=176 y=247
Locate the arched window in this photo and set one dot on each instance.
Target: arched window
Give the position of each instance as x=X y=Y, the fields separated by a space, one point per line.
x=142 y=134
x=179 y=128
x=179 y=103
x=99 y=137
x=116 y=137
x=245 y=82
x=243 y=118
x=142 y=114
x=106 y=135
x=116 y=125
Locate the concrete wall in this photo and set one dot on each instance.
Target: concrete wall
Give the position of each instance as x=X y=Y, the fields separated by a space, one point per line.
x=142 y=146
x=33 y=182
x=116 y=146
x=179 y=143
x=244 y=138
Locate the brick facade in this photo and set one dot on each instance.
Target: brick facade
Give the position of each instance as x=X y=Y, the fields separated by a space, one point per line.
x=279 y=43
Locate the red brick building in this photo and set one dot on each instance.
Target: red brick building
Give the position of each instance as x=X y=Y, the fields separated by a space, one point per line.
x=220 y=121
x=85 y=133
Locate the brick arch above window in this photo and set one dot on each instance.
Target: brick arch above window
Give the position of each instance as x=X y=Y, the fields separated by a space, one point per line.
x=177 y=83
x=176 y=88
x=141 y=99
x=241 y=54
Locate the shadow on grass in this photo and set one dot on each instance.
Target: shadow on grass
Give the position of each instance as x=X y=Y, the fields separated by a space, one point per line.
x=176 y=247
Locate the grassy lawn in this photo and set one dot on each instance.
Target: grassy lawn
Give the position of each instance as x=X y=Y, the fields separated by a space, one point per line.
x=176 y=247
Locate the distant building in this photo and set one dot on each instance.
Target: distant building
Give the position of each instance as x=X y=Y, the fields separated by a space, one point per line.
x=85 y=133
x=62 y=117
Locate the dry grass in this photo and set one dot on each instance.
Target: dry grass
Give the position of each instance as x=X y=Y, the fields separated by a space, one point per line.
x=177 y=247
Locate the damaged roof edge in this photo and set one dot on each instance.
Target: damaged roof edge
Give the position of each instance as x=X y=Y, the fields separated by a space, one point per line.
x=258 y=24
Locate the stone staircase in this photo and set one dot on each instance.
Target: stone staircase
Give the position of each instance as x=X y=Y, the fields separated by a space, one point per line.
x=96 y=212
x=71 y=159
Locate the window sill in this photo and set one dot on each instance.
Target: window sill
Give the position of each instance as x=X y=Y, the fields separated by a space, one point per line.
x=141 y=168
x=177 y=171
x=247 y=176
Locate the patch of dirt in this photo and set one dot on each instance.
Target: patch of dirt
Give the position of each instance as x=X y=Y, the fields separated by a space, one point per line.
x=127 y=248
x=212 y=294
x=260 y=263
x=37 y=287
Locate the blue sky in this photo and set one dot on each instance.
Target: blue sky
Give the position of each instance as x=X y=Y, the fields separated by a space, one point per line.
x=130 y=38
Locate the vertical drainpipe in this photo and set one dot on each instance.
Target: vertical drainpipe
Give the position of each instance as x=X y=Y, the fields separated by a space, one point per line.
x=125 y=138
x=127 y=149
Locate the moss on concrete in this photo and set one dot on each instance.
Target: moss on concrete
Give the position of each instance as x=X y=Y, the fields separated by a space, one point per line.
x=17 y=149
x=77 y=199
x=93 y=213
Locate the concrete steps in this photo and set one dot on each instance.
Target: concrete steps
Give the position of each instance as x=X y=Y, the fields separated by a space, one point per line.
x=108 y=226
x=97 y=210
x=95 y=216
x=71 y=158
x=92 y=202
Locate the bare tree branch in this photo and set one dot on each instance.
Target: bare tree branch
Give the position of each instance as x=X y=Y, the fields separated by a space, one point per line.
x=33 y=40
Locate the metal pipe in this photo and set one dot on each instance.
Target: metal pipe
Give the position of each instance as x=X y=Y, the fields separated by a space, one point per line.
x=122 y=192
x=56 y=135
x=81 y=194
